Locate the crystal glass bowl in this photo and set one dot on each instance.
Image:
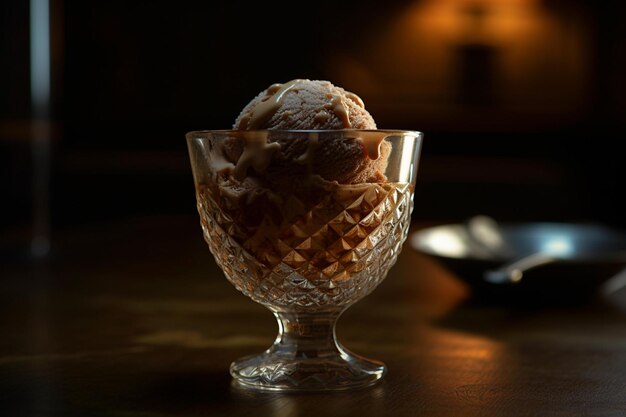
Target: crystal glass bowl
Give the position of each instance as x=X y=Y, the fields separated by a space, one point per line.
x=305 y=223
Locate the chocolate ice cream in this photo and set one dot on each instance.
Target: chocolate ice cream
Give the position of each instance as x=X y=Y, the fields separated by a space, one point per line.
x=301 y=181
x=305 y=105
x=316 y=105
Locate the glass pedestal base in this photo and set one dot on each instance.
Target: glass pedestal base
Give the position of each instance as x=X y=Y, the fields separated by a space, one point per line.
x=306 y=357
x=276 y=373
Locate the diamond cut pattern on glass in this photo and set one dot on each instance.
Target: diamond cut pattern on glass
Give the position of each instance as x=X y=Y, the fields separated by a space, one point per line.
x=334 y=254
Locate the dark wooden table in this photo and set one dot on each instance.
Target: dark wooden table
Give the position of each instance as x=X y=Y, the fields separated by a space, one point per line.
x=134 y=319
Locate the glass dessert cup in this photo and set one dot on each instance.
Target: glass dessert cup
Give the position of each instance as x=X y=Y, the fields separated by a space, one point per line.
x=302 y=244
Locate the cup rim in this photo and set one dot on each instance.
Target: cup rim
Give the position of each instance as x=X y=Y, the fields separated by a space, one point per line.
x=390 y=132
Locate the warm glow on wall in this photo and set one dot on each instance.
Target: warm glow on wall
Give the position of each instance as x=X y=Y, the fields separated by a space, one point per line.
x=440 y=56
x=483 y=20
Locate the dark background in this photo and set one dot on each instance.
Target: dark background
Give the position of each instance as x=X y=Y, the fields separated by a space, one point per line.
x=522 y=102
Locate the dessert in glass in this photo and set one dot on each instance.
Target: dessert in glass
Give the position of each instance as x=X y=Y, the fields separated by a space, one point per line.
x=305 y=206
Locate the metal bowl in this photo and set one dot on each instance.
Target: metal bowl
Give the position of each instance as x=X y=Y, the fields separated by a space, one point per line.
x=574 y=259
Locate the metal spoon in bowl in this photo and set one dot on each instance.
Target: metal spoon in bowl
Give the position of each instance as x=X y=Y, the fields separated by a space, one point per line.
x=485 y=231
x=513 y=272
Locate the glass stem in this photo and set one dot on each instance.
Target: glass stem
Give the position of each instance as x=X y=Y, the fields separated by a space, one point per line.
x=306 y=335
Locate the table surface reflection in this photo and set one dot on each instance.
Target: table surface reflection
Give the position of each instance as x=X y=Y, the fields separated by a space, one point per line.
x=134 y=319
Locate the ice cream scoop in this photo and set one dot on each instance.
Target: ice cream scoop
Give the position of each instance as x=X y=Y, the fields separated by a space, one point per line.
x=315 y=105
x=305 y=105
